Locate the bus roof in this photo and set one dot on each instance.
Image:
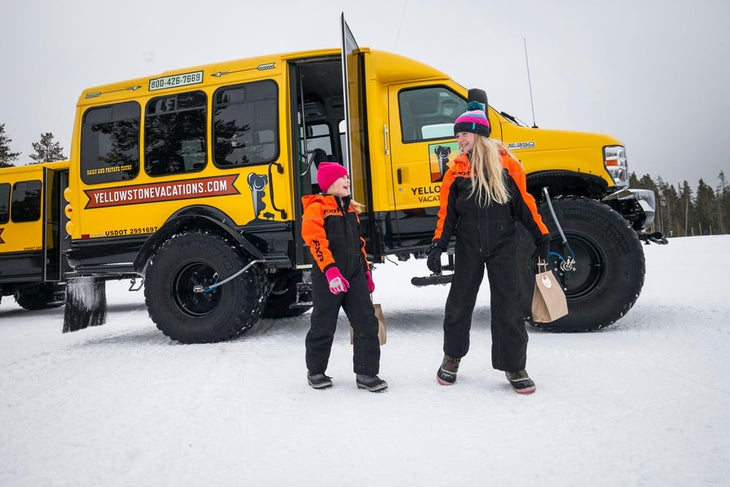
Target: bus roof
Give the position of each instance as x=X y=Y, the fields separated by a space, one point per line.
x=387 y=68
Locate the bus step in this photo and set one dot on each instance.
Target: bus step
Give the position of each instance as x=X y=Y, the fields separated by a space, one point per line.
x=431 y=280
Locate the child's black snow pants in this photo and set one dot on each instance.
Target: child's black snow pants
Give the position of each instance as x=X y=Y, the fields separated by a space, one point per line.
x=359 y=309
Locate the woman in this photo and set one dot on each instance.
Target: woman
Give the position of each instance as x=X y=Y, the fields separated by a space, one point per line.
x=340 y=278
x=482 y=195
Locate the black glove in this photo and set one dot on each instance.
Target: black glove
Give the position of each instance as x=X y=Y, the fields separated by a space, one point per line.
x=543 y=248
x=434 y=257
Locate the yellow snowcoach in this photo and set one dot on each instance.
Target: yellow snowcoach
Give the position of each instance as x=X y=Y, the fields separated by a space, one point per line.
x=192 y=179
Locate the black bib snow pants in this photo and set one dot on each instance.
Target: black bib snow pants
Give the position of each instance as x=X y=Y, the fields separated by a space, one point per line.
x=486 y=238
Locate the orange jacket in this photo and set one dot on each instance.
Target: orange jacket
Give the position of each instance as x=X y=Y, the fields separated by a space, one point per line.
x=462 y=168
x=333 y=235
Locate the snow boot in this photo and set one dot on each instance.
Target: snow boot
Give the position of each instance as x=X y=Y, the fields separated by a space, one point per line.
x=521 y=382
x=319 y=381
x=446 y=374
x=372 y=383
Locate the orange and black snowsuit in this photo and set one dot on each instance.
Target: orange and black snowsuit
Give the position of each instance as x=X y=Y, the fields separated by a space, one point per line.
x=485 y=236
x=331 y=230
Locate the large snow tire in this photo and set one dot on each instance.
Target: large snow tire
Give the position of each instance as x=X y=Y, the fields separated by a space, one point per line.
x=40 y=296
x=202 y=259
x=609 y=271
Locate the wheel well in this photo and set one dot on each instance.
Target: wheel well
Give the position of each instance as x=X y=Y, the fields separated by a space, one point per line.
x=566 y=183
x=203 y=219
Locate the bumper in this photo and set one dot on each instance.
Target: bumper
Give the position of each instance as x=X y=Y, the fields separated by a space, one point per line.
x=647 y=201
x=637 y=206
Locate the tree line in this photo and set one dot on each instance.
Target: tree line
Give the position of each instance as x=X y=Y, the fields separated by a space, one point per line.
x=680 y=211
x=47 y=149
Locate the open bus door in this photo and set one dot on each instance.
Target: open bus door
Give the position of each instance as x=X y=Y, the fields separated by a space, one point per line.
x=356 y=151
x=55 y=244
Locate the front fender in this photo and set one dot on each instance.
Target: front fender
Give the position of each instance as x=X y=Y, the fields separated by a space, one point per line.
x=569 y=183
x=199 y=218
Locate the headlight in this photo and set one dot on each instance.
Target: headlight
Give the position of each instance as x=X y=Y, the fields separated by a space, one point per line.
x=614 y=158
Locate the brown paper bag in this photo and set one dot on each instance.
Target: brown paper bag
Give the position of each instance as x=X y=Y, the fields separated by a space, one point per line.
x=548 y=299
x=382 y=330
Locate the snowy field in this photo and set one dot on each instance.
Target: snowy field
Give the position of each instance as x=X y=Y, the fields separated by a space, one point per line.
x=643 y=402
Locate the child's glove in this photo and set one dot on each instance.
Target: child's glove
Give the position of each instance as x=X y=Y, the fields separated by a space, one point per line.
x=371 y=284
x=338 y=284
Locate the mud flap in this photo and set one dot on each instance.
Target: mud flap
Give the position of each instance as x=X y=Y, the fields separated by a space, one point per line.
x=85 y=303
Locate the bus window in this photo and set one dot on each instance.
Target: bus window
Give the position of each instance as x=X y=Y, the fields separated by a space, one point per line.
x=110 y=143
x=245 y=128
x=26 y=204
x=4 y=203
x=174 y=134
x=428 y=113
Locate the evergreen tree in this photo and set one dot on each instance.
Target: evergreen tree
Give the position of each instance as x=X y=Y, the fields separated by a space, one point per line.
x=646 y=183
x=47 y=150
x=633 y=182
x=723 y=203
x=686 y=208
x=670 y=201
x=6 y=157
x=705 y=209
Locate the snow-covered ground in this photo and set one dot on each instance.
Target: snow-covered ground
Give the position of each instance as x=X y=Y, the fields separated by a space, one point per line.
x=643 y=402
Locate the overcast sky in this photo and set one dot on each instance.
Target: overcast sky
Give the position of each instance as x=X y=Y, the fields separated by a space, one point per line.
x=655 y=74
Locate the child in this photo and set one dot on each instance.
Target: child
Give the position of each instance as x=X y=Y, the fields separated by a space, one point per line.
x=340 y=278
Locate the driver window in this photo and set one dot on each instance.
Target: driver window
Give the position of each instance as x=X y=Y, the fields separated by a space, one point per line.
x=428 y=113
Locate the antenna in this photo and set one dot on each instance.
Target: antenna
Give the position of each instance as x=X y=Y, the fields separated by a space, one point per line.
x=529 y=84
x=400 y=26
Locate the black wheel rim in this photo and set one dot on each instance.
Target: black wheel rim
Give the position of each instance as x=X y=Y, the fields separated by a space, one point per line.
x=184 y=284
x=590 y=268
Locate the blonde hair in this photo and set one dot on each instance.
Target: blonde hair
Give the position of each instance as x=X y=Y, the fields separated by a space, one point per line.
x=359 y=207
x=487 y=176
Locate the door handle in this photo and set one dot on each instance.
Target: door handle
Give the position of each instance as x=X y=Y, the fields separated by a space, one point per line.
x=385 y=140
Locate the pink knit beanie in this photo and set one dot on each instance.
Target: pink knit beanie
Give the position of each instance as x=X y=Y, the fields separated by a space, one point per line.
x=328 y=173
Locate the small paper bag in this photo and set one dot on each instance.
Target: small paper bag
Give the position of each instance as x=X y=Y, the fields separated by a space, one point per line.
x=382 y=330
x=548 y=299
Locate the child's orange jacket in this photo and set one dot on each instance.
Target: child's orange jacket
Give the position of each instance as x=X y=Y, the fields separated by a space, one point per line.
x=331 y=230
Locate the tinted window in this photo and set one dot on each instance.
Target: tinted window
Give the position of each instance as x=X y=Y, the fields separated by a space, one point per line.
x=245 y=124
x=429 y=113
x=110 y=143
x=4 y=203
x=26 y=204
x=174 y=134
